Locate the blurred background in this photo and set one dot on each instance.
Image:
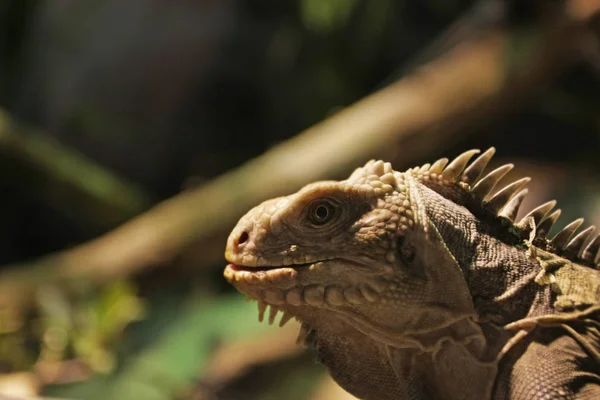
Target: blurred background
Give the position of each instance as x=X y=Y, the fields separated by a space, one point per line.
x=126 y=134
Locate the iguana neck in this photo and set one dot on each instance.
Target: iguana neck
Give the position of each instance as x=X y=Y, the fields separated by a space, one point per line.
x=497 y=269
x=435 y=369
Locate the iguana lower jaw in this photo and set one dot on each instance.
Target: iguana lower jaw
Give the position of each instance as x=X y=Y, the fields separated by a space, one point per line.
x=305 y=290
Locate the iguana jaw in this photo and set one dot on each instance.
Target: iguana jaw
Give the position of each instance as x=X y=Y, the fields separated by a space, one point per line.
x=312 y=293
x=314 y=285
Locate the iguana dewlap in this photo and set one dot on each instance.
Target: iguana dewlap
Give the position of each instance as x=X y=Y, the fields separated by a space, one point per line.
x=420 y=284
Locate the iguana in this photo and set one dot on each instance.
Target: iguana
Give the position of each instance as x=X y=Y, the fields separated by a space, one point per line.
x=421 y=284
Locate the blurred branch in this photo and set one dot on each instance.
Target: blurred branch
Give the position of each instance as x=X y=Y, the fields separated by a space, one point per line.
x=65 y=179
x=233 y=357
x=329 y=389
x=466 y=87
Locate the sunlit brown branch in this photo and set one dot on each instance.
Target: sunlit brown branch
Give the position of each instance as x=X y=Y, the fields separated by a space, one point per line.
x=468 y=86
x=232 y=359
x=328 y=389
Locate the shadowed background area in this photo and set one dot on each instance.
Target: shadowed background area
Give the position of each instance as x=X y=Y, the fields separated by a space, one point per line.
x=134 y=134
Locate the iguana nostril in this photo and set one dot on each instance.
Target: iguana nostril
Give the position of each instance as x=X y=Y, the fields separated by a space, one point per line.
x=243 y=238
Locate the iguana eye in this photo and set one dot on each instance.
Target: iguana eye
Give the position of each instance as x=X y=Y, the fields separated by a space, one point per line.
x=321 y=212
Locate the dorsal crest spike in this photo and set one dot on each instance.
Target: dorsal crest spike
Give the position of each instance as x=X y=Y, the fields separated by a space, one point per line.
x=438 y=166
x=591 y=252
x=489 y=182
x=512 y=207
x=545 y=226
x=537 y=214
x=561 y=238
x=500 y=199
x=456 y=167
x=474 y=171
x=575 y=246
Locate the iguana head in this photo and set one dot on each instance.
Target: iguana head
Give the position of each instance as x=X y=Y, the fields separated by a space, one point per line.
x=351 y=258
x=362 y=263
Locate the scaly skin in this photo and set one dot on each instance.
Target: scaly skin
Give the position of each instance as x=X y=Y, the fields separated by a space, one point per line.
x=418 y=285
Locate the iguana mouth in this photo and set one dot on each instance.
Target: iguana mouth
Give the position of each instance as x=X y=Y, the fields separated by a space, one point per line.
x=258 y=275
x=269 y=274
x=256 y=279
x=238 y=267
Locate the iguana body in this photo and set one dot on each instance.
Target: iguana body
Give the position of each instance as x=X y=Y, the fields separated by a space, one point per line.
x=419 y=285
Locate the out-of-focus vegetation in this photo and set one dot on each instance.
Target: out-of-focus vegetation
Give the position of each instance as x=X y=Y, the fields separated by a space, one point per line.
x=126 y=130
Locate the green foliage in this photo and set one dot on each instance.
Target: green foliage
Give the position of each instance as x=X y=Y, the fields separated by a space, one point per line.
x=174 y=359
x=103 y=319
x=324 y=16
x=85 y=326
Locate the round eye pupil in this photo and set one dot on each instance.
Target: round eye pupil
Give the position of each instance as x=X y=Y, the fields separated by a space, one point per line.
x=321 y=213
